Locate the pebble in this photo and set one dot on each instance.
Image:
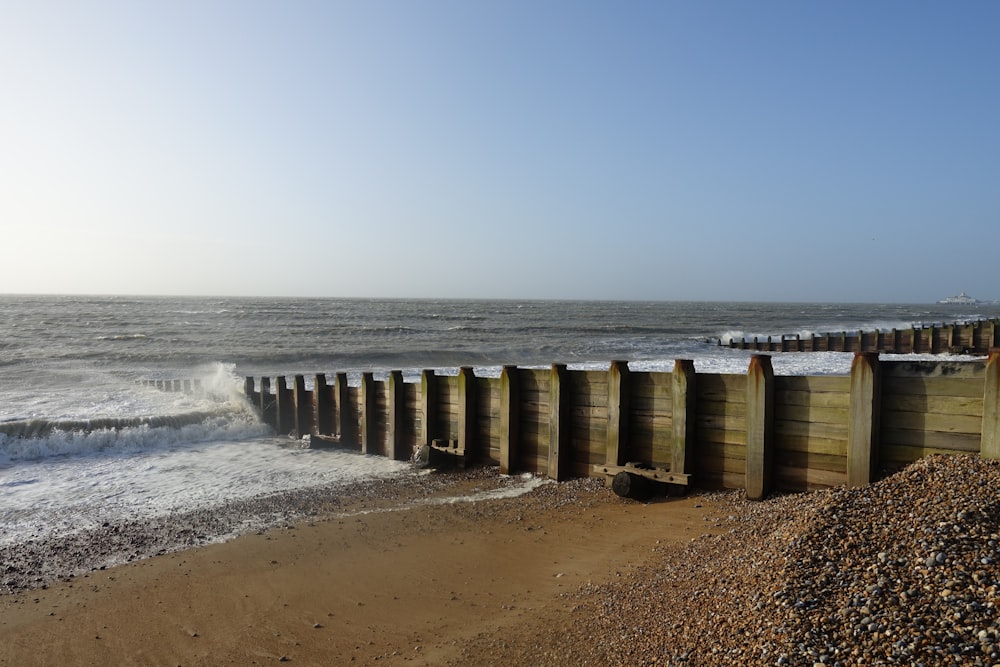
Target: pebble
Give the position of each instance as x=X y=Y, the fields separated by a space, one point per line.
x=900 y=572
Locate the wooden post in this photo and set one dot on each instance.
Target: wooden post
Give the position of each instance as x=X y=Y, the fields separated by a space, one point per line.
x=397 y=403
x=368 y=414
x=268 y=411
x=344 y=421
x=989 y=448
x=248 y=390
x=284 y=407
x=467 y=412
x=509 y=400
x=617 y=413
x=684 y=401
x=760 y=426
x=428 y=407
x=303 y=407
x=863 y=420
x=559 y=423
x=322 y=399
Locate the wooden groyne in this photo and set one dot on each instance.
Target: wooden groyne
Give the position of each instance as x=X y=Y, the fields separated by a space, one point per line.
x=753 y=430
x=957 y=338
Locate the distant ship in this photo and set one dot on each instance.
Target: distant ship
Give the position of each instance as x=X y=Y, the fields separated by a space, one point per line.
x=961 y=298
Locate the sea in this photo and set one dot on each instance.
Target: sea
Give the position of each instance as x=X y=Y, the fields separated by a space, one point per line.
x=85 y=440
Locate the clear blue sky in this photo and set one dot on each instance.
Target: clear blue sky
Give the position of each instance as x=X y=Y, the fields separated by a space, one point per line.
x=780 y=151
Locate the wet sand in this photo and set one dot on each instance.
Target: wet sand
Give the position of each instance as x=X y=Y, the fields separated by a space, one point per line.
x=377 y=580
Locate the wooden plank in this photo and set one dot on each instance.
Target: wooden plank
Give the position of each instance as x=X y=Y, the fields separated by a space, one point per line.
x=815 y=384
x=819 y=399
x=931 y=386
x=785 y=428
x=947 y=405
x=711 y=408
x=934 y=369
x=818 y=445
x=959 y=442
x=812 y=460
x=929 y=421
x=719 y=386
x=812 y=413
x=736 y=437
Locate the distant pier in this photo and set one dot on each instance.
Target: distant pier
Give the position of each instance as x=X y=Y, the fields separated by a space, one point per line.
x=977 y=337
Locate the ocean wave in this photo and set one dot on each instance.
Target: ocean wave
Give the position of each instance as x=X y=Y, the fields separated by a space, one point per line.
x=34 y=439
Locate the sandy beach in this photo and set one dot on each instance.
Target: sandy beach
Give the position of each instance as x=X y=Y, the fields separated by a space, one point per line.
x=386 y=579
x=902 y=572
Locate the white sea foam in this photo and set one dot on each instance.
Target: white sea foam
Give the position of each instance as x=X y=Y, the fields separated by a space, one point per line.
x=49 y=497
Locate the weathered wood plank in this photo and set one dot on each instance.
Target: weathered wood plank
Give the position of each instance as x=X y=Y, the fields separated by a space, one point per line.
x=929 y=421
x=812 y=413
x=811 y=443
x=948 y=405
x=817 y=399
x=962 y=442
x=934 y=386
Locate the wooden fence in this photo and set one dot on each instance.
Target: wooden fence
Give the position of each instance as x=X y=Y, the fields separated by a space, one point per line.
x=755 y=431
x=960 y=338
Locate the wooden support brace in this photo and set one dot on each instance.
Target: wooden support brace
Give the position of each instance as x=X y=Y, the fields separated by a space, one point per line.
x=989 y=448
x=397 y=404
x=509 y=427
x=617 y=413
x=467 y=411
x=267 y=405
x=559 y=423
x=863 y=424
x=248 y=390
x=323 y=405
x=428 y=407
x=303 y=420
x=684 y=411
x=368 y=414
x=760 y=426
x=284 y=407
x=344 y=421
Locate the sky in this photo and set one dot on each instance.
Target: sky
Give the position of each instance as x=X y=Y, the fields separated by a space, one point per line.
x=706 y=150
